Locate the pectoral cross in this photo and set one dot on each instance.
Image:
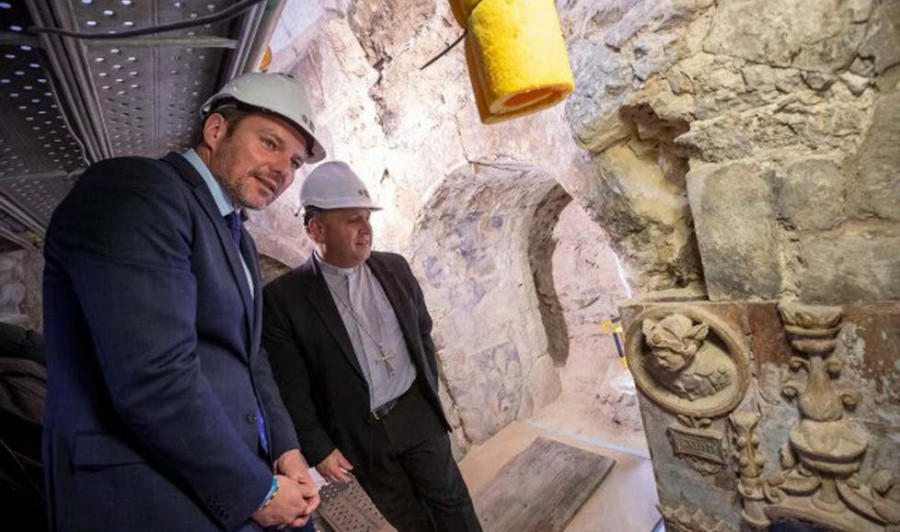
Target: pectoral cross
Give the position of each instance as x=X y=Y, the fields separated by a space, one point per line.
x=386 y=358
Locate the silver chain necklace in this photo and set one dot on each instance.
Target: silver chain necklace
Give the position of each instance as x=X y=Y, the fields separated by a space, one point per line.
x=384 y=357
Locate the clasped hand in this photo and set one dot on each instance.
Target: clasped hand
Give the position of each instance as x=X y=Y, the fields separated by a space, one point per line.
x=296 y=498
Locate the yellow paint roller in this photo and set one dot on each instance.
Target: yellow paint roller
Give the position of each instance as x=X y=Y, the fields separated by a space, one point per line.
x=516 y=56
x=461 y=10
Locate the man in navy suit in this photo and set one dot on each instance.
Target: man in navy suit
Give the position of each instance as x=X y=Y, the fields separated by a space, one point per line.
x=162 y=413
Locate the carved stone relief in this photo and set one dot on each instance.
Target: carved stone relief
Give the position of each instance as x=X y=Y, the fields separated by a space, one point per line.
x=680 y=360
x=819 y=479
x=688 y=361
x=684 y=518
x=701 y=447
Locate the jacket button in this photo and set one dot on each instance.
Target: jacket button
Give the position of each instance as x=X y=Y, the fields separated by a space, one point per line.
x=251 y=418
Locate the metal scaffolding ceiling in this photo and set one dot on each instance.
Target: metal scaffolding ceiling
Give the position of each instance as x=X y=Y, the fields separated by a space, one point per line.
x=67 y=101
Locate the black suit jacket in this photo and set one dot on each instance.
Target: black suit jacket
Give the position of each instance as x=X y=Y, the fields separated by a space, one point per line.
x=154 y=360
x=314 y=364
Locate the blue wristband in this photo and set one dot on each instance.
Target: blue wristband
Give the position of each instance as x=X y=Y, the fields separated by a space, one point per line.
x=271 y=493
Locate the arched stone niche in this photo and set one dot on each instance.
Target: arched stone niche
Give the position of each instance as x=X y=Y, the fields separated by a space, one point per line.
x=474 y=248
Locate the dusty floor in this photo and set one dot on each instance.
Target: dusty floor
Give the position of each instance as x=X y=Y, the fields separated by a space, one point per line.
x=624 y=502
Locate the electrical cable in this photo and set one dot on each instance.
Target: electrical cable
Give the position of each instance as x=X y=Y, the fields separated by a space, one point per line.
x=225 y=14
x=444 y=52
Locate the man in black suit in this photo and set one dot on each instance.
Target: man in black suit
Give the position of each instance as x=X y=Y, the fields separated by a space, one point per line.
x=349 y=338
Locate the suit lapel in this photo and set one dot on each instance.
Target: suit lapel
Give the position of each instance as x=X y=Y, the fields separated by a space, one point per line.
x=399 y=300
x=321 y=299
x=206 y=201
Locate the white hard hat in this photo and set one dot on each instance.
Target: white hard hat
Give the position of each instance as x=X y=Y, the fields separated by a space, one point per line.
x=276 y=93
x=333 y=185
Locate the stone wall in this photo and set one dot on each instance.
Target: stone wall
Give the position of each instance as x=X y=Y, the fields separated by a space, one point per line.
x=472 y=246
x=769 y=129
x=21 y=274
x=404 y=130
x=589 y=287
x=785 y=114
x=444 y=179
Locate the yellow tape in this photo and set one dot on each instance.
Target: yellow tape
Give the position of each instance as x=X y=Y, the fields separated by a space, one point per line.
x=608 y=326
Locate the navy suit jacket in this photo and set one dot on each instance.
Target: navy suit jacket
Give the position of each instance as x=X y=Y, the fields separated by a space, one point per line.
x=154 y=359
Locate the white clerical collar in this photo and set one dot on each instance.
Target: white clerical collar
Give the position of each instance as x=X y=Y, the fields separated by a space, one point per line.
x=331 y=269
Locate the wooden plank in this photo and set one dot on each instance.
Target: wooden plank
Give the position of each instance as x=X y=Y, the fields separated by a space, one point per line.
x=541 y=488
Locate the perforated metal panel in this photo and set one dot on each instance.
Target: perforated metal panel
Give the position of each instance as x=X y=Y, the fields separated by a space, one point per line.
x=42 y=194
x=34 y=137
x=66 y=101
x=33 y=134
x=346 y=508
x=149 y=97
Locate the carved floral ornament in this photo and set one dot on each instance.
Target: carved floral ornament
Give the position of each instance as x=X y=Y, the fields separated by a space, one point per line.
x=687 y=360
x=819 y=480
x=686 y=518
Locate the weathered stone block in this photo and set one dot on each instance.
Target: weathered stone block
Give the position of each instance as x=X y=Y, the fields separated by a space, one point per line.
x=808 y=34
x=875 y=191
x=735 y=224
x=854 y=265
x=809 y=194
x=883 y=41
x=490 y=393
x=384 y=28
x=810 y=126
x=651 y=213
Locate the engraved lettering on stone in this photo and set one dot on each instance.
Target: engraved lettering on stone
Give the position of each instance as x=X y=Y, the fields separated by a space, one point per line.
x=703 y=449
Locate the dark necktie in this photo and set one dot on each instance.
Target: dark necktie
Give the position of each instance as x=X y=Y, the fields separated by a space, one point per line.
x=234 y=224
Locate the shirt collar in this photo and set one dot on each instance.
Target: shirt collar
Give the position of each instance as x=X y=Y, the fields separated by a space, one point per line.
x=224 y=204
x=331 y=269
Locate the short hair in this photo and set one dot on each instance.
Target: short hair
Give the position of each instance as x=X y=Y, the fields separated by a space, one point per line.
x=233 y=116
x=309 y=213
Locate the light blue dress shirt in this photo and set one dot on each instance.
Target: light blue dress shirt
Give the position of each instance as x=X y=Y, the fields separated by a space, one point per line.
x=225 y=205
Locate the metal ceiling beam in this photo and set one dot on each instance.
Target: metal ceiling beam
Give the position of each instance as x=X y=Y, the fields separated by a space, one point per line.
x=68 y=79
x=267 y=26
x=18 y=39
x=156 y=111
x=17 y=238
x=248 y=30
x=72 y=63
x=180 y=42
x=56 y=174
